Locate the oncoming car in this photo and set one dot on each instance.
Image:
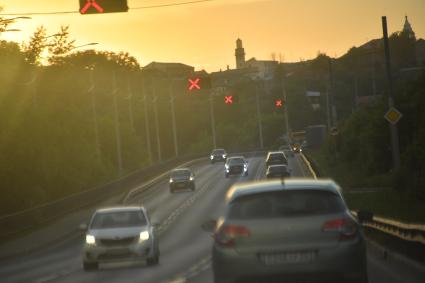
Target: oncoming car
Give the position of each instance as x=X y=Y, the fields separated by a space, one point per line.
x=218 y=155
x=182 y=179
x=236 y=166
x=120 y=233
x=294 y=229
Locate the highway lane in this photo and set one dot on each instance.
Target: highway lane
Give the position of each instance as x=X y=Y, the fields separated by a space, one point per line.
x=185 y=248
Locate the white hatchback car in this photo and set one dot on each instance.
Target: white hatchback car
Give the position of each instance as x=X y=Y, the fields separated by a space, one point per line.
x=120 y=233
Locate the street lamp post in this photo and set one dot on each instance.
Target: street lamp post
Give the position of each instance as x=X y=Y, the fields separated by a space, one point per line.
x=117 y=124
x=94 y=112
x=147 y=128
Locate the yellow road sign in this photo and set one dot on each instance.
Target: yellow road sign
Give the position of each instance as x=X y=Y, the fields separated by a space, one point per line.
x=393 y=115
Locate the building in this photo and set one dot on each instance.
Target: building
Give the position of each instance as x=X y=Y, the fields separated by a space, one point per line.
x=174 y=70
x=239 y=54
x=407 y=28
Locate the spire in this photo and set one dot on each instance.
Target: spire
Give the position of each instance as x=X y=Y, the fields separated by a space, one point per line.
x=407 y=28
x=240 y=54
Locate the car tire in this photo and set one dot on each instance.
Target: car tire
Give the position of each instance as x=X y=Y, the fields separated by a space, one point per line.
x=212 y=161
x=246 y=174
x=90 y=266
x=193 y=188
x=153 y=260
x=172 y=191
x=226 y=175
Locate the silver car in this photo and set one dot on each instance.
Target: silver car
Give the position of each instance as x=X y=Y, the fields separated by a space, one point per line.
x=292 y=229
x=120 y=233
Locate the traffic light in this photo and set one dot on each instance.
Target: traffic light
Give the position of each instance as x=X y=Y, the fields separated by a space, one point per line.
x=278 y=103
x=102 y=6
x=199 y=83
x=230 y=99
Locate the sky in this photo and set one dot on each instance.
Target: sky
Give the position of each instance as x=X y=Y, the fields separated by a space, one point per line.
x=204 y=34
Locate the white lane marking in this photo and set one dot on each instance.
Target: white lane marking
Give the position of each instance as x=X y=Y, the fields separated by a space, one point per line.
x=193 y=271
x=47 y=278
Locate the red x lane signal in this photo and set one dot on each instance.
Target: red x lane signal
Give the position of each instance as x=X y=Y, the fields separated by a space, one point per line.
x=194 y=84
x=228 y=99
x=278 y=103
x=91 y=3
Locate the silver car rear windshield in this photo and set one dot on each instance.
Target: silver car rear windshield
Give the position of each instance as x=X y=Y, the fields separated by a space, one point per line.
x=285 y=204
x=218 y=151
x=117 y=219
x=235 y=161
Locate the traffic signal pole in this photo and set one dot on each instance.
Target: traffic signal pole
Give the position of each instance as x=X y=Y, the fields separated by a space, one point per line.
x=260 y=127
x=393 y=127
x=212 y=118
x=117 y=124
x=173 y=119
x=147 y=129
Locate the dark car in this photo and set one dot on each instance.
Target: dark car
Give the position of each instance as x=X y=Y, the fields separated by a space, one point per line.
x=287 y=149
x=276 y=158
x=218 y=154
x=294 y=230
x=278 y=171
x=182 y=179
x=236 y=166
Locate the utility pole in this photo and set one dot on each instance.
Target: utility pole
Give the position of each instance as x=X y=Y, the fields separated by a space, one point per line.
x=155 y=109
x=173 y=119
x=130 y=104
x=117 y=123
x=393 y=127
x=260 y=127
x=147 y=129
x=212 y=118
x=285 y=108
x=332 y=95
x=94 y=112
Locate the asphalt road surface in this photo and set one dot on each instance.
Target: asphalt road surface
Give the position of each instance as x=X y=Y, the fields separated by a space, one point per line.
x=185 y=247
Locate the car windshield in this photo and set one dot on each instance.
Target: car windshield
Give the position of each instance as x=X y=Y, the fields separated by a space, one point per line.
x=235 y=161
x=275 y=169
x=118 y=219
x=286 y=204
x=180 y=174
x=219 y=151
x=276 y=156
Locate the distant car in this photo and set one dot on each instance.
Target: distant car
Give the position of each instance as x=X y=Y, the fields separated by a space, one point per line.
x=236 y=166
x=278 y=171
x=296 y=147
x=276 y=158
x=295 y=229
x=182 y=179
x=120 y=233
x=218 y=155
x=287 y=149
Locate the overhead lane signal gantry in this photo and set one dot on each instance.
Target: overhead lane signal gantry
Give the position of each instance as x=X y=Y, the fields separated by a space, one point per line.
x=102 y=6
x=196 y=84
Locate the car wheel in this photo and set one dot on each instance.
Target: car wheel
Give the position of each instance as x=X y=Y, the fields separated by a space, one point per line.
x=89 y=266
x=212 y=161
x=193 y=187
x=246 y=174
x=226 y=175
x=172 y=191
x=153 y=260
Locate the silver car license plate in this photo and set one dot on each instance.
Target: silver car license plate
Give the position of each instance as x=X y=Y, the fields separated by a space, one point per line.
x=288 y=257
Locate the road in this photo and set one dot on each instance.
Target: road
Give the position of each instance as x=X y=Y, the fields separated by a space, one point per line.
x=185 y=247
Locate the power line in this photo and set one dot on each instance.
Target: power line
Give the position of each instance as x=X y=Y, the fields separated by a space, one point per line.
x=135 y=8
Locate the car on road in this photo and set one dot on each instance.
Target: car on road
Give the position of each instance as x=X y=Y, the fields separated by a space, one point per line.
x=218 y=154
x=287 y=149
x=182 y=179
x=236 y=165
x=278 y=171
x=120 y=233
x=293 y=229
x=276 y=158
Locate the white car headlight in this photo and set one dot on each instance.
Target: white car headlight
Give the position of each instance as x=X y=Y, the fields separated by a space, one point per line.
x=191 y=178
x=211 y=157
x=90 y=239
x=224 y=155
x=144 y=236
x=227 y=166
x=171 y=180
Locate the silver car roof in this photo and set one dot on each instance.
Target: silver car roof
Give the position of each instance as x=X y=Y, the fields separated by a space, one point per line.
x=278 y=185
x=119 y=208
x=181 y=169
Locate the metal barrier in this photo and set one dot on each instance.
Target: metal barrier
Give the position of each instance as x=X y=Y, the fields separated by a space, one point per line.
x=25 y=220
x=412 y=232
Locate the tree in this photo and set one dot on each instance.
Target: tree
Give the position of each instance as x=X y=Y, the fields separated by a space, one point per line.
x=59 y=46
x=35 y=47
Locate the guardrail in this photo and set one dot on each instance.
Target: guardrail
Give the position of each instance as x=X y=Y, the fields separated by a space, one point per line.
x=412 y=232
x=25 y=220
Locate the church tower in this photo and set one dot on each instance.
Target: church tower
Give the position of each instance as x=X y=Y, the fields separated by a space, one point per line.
x=407 y=28
x=240 y=54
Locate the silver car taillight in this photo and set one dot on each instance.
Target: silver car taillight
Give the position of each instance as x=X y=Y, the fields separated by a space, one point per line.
x=347 y=228
x=227 y=235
